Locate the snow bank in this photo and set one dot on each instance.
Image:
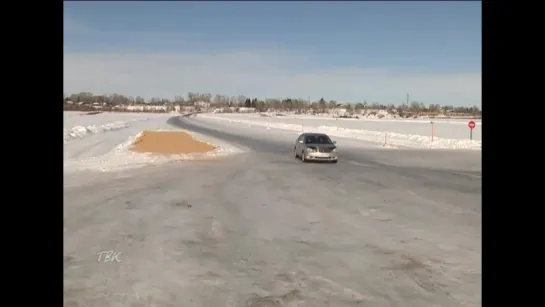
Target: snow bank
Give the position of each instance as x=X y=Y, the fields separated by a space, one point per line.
x=361 y=118
x=371 y=118
x=122 y=158
x=82 y=131
x=68 y=114
x=82 y=125
x=108 y=150
x=444 y=128
x=394 y=140
x=385 y=138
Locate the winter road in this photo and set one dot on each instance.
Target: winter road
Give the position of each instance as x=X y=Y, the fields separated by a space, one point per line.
x=380 y=228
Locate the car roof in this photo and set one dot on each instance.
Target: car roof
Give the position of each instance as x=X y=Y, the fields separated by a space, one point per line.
x=314 y=134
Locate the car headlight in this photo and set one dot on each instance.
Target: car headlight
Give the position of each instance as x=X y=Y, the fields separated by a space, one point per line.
x=309 y=149
x=334 y=150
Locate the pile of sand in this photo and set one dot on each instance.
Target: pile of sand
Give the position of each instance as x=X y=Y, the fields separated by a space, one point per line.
x=169 y=143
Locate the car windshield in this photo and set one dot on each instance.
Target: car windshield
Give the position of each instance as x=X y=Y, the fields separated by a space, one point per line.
x=317 y=139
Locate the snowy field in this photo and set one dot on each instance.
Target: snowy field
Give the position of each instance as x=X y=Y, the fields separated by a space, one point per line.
x=402 y=133
x=100 y=142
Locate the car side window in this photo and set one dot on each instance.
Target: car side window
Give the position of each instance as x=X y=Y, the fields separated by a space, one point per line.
x=300 y=138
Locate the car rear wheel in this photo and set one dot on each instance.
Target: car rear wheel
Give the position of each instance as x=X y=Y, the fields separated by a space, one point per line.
x=303 y=157
x=295 y=153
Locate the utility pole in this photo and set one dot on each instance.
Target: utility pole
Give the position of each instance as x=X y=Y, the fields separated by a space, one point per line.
x=407 y=100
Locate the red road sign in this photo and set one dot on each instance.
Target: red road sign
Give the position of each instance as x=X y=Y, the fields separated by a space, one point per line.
x=471 y=124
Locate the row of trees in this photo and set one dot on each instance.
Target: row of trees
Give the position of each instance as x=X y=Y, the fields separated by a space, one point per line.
x=290 y=104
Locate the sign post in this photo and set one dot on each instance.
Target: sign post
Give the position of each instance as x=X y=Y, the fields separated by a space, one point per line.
x=471 y=125
x=432 y=130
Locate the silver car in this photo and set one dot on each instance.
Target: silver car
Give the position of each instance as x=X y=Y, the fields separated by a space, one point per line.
x=315 y=147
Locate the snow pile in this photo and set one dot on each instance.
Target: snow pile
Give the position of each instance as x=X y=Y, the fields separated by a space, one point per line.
x=119 y=158
x=114 y=134
x=82 y=131
x=393 y=139
x=104 y=122
x=390 y=139
x=122 y=158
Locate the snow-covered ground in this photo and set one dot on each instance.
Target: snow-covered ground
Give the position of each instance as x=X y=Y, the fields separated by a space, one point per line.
x=402 y=133
x=101 y=142
x=69 y=114
x=381 y=228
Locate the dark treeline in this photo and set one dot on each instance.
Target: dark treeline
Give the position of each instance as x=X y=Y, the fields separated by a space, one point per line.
x=88 y=101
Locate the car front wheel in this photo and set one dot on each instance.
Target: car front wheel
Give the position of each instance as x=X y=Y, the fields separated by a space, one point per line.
x=303 y=157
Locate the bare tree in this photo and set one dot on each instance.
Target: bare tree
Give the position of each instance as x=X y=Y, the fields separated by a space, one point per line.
x=322 y=105
x=206 y=97
x=179 y=99
x=332 y=105
x=358 y=107
x=241 y=99
x=349 y=108
x=86 y=100
x=193 y=97
x=221 y=100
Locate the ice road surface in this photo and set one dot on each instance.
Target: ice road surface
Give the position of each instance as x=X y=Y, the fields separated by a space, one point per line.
x=381 y=228
x=101 y=142
x=402 y=133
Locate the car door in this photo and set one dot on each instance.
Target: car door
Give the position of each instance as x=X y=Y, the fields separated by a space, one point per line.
x=298 y=143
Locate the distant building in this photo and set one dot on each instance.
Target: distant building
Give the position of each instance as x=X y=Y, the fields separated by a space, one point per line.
x=202 y=104
x=246 y=110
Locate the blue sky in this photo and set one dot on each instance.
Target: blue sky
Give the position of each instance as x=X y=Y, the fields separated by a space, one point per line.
x=346 y=51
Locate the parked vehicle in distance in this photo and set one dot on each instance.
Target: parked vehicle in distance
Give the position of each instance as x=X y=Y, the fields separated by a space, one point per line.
x=315 y=147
